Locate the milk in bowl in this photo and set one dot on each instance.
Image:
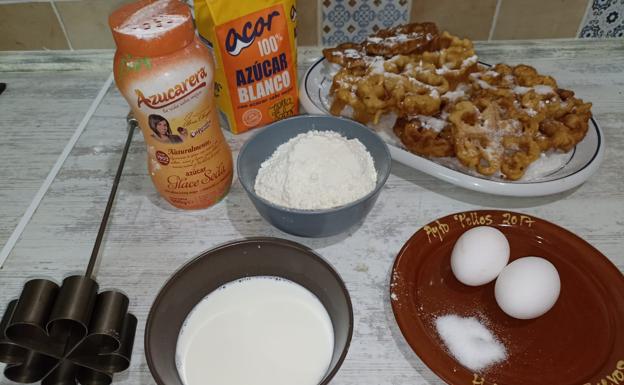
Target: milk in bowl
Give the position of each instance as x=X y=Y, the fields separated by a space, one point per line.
x=256 y=330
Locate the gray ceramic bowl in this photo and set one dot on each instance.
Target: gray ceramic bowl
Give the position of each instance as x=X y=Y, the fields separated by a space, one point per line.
x=311 y=223
x=227 y=263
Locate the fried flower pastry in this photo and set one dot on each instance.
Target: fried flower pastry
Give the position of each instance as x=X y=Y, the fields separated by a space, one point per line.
x=364 y=94
x=487 y=142
x=412 y=96
x=403 y=40
x=556 y=119
x=519 y=153
x=475 y=140
x=399 y=85
x=425 y=135
x=349 y=55
x=527 y=76
x=566 y=132
x=455 y=60
x=495 y=120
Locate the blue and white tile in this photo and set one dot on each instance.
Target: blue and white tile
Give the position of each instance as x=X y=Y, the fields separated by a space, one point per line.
x=604 y=19
x=353 y=20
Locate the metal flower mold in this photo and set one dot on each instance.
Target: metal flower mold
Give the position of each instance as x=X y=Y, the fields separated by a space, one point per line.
x=67 y=334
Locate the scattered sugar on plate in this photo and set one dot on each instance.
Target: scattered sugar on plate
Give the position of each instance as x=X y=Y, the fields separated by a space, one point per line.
x=470 y=342
x=521 y=90
x=431 y=122
x=352 y=53
x=459 y=92
x=543 y=89
x=546 y=164
x=376 y=65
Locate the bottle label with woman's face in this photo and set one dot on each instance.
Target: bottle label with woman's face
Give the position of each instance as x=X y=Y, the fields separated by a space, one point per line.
x=189 y=160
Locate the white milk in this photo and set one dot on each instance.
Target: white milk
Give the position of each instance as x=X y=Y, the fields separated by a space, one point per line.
x=258 y=330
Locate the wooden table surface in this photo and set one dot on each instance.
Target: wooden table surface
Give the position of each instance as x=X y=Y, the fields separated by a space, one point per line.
x=147 y=239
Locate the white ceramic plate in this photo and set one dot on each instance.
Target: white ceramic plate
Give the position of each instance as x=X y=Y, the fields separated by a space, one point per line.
x=552 y=173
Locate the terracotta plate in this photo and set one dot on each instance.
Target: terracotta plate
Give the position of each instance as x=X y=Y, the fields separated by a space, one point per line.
x=579 y=341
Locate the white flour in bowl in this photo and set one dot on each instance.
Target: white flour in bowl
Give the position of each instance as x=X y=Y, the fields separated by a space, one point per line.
x=317 y=170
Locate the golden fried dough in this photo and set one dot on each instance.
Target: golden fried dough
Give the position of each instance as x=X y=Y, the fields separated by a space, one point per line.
x=404 y=40
x=495 y=120
x=424 y=138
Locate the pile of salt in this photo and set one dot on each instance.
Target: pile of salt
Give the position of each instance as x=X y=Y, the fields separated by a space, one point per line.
x=470 y=342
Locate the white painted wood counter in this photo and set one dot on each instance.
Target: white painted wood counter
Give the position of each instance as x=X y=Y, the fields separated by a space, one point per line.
x=147 y=239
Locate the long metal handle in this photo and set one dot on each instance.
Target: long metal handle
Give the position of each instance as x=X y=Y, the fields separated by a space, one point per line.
x=132 y=124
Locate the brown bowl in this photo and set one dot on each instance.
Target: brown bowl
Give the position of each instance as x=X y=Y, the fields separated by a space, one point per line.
x=244 y=258
x=579 y=341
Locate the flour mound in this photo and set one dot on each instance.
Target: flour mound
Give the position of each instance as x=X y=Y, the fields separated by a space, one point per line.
x=317 y=170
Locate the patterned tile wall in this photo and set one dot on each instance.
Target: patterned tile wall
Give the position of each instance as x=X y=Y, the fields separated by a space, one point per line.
x=604 y=19
x=353 y=20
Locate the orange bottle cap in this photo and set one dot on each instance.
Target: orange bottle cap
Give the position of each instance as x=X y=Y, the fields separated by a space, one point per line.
x=152 y=27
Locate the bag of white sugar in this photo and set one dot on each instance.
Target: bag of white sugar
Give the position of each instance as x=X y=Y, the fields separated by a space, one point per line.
x=255 y=49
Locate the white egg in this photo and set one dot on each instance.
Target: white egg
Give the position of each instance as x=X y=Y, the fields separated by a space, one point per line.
x=479 y=255
x=527 y=288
